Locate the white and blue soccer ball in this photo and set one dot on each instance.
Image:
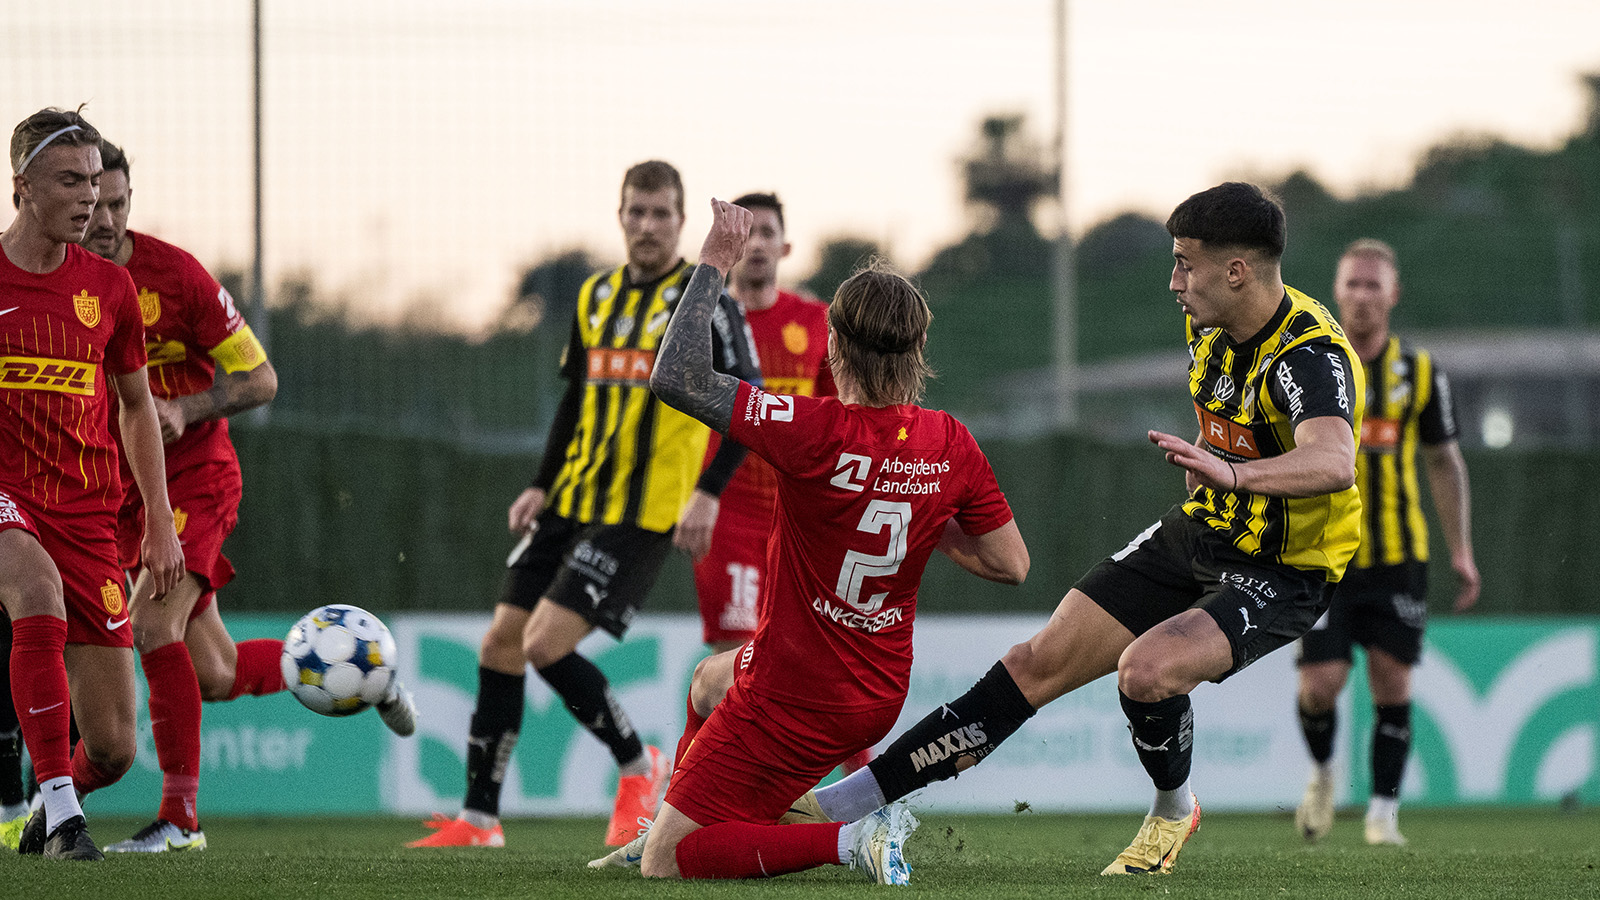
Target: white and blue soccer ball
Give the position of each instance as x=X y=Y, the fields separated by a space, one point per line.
x=338 y=660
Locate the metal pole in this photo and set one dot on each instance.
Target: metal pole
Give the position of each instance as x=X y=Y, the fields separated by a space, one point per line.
x=257 y=309
x=1065 y=349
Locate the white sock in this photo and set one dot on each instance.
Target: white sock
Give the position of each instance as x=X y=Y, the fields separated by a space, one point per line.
x=60 y=802
x=640 y=765
x=1381 y=809
x=1322 y=771
x=847 y=843
x=1174 y=804
x=479 y=819
x=852 y=797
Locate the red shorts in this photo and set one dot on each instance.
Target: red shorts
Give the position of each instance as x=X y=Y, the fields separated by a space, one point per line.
x=728 y=579
x=755 y=755
x=205 y=508
x=84 y=548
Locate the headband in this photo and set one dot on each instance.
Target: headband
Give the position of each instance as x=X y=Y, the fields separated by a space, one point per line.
x=45 y=143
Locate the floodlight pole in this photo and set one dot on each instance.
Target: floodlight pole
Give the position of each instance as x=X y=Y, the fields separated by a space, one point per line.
x=256 y=309
x=1065 y=343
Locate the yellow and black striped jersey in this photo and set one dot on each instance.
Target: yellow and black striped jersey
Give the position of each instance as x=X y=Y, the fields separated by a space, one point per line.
x=1408 y=401
x=631 y=458
x=1249 y=397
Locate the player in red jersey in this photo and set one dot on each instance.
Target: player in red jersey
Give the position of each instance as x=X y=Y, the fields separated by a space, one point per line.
x=791 y=341
x=869 y=485
x=205 y=365
x=69 y=329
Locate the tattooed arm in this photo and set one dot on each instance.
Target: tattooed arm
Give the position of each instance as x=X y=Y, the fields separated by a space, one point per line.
x=230 y=392
x=684 y=378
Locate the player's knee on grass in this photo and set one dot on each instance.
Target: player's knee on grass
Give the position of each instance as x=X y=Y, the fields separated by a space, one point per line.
x=713 y=676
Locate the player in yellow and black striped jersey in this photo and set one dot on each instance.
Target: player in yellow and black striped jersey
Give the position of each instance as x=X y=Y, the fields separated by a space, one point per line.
x=1382 y=602
x=1242 y=567
x=618 y=469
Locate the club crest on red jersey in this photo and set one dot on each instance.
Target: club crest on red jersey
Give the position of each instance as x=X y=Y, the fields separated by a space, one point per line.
x=796 y=338
x=87 y=308
x=111 y=597
x=149 y=306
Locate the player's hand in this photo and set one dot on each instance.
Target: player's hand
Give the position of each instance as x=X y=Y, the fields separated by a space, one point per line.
x=1470 y=582
x=730 y=228
x=525 y=509
x=1199 y=466
x=161 y=553
x=170 y=416
x=693 y=534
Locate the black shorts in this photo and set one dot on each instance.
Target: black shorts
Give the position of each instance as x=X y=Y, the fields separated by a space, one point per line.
x=1385 y=607
x=1179 y=564
x=601 y=572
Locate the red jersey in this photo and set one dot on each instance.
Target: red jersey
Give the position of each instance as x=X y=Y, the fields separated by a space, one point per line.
x=791 y=341
x=863 y=498
x=190 y=325
x=62 y=335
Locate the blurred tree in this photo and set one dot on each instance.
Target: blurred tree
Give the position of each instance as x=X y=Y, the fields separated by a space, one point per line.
x=840 y=257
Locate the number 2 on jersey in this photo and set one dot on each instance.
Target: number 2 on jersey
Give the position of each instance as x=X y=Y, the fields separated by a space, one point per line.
x=893 y=516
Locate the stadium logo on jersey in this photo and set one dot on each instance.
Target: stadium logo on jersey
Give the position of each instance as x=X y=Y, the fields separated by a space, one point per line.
x=796 y=339
x=602 y=292
x=87 y=308
x=671 y=294
x=31 y=373
x=623 y=366
x=149 y=306
x=111 y=597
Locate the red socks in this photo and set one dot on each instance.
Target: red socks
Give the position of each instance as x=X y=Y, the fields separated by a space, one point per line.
x=743 y=850
x=258 y=672
x=175 y=721
x=39 y=690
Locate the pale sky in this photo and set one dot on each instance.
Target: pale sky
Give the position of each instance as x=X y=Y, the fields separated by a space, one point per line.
x=420 y=154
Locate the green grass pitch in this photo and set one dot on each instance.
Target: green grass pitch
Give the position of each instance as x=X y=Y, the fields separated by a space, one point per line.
x=1454 y=853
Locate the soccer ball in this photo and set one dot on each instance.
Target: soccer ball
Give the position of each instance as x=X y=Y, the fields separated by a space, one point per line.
x=338 y=660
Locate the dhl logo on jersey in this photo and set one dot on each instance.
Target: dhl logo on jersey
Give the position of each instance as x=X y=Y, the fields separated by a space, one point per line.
x=1379 y=434
x=34 y=373
x=1227 y=435
x=621 y=365
x=165 y=353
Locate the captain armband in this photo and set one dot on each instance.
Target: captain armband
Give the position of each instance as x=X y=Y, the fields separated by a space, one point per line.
x=241 y=352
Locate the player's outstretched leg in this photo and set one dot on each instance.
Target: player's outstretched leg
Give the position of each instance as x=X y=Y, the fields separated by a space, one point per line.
x=398 y=709
x=880 y=843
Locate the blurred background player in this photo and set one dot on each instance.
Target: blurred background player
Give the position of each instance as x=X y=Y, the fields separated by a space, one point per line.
x=1242 y=567
x=791 y=343
x=69 y=323
x=205 y=364
x=869 y=485
x=1382 y=602
x=618 y=469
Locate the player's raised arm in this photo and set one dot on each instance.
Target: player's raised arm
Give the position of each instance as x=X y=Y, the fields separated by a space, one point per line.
x=683 y=377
